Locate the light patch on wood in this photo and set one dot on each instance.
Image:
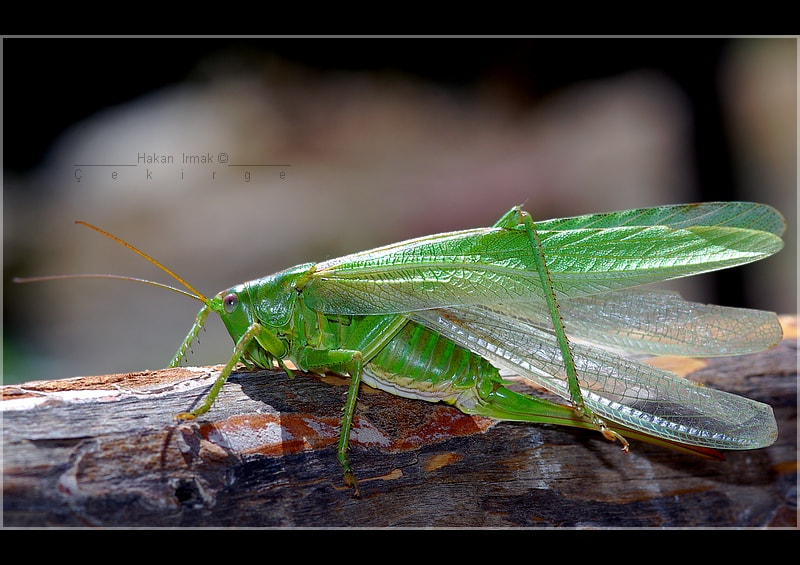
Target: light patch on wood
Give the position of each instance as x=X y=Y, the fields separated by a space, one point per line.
x=392 y=475
x=335 y=380
x=788 y=467
x=440 y=460
x=364 y=433
x=789 y=325
x=212 y=452
x=104 y=388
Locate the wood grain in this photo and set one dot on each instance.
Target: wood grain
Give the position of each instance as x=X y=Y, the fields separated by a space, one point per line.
x=106 y=451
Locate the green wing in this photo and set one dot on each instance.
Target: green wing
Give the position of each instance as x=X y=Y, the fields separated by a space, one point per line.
x=586 y=255
x=747 y=215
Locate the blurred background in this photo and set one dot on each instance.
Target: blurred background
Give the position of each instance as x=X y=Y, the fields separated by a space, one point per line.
x=230 y=159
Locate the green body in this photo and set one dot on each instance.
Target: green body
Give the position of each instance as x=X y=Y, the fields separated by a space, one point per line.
x=433 y=318
x=399 y=356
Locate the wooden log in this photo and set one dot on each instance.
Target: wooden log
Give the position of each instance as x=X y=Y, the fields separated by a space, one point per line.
x=106 y=451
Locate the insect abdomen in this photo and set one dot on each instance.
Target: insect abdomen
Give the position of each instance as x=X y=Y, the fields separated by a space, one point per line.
x=420 y=363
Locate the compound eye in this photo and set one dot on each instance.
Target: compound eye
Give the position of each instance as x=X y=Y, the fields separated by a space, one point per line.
x=230 y=302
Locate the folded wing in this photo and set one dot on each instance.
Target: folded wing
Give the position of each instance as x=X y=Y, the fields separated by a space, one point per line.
x=619 y=389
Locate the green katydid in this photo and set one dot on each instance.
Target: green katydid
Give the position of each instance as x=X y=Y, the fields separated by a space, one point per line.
x=433 y=318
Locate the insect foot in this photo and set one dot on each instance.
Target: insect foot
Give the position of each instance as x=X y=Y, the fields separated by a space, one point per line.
x=350 y=480
x=611 y=435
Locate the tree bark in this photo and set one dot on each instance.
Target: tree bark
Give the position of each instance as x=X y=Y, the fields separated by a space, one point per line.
x=106 y=451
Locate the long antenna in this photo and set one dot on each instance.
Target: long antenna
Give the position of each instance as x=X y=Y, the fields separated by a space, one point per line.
x=103 y=276
x=146 y=256
x=194 y=293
